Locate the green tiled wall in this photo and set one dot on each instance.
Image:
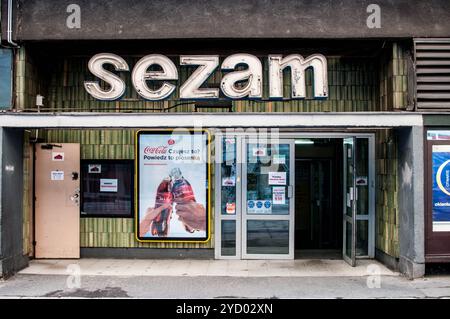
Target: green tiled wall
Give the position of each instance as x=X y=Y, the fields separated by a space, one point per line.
x=27 y=196
x=394 y=79
x=110 y=232
x=353 y=87
x=386 y=193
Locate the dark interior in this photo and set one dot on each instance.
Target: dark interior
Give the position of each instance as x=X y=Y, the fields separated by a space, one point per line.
x=318 y=193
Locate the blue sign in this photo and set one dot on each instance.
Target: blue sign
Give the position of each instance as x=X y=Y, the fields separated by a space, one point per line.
x=441 y=185
x=259 y=204
x=251 y=204
x=5 y=78
x=267 y=204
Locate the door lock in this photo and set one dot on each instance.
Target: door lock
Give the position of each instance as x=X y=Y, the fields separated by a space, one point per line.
x=76 y=197
x=74 y=176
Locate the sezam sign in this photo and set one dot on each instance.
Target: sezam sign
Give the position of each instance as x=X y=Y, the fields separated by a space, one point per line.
x=242 y=76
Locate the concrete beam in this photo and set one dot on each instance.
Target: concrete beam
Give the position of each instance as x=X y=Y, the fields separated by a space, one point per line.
x=232 y=19
x=161 y=120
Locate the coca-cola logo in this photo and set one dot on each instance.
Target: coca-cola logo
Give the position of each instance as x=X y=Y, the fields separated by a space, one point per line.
x=171 y=142
x=155 y=150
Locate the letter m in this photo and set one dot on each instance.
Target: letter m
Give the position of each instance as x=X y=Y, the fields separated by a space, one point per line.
x=298 y=65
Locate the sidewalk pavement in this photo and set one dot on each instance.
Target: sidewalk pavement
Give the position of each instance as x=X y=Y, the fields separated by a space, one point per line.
x=189 y=267
x=103 y=278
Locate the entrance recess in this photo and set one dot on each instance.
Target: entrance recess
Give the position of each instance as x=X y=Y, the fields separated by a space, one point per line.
x=256 y=196
x=57 y=188
x=268 y=206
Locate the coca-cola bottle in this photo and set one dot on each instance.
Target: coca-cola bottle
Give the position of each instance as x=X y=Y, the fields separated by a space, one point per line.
x=182 y=191
x=160 y=225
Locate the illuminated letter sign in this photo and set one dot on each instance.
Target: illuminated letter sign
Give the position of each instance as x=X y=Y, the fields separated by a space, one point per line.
x=237 y=82
x=117 y=86
x=253 y=76
x=191 y=88
x=298 y=65
x=141 y=75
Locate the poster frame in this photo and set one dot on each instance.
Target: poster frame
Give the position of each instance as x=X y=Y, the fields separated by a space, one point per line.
x=171 y=131
x=437 y=244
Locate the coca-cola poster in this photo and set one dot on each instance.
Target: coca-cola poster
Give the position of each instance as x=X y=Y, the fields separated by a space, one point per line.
x=172 y=186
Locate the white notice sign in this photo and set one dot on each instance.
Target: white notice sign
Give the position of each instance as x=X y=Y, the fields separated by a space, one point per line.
x=277 y=178
x=279 y=159
x=108 y=185
x=57 y=175
x=279 y=195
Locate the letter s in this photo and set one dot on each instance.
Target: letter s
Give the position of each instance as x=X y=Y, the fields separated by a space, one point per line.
x=117 y=85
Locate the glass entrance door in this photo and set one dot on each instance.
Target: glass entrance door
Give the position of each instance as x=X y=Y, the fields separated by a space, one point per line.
x=267 y=200
x=349 y=242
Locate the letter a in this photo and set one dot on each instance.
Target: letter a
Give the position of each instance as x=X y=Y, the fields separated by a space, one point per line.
x=374 y=19
x=73 y=21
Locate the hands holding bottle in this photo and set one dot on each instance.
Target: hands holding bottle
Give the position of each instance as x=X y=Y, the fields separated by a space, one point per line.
x=150 y=215
x=174 y=190
x=191 y=214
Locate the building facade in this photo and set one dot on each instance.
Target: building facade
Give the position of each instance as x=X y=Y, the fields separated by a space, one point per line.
x=323 y=131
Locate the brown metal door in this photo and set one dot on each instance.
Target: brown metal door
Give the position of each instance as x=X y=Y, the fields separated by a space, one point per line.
x=57 y=187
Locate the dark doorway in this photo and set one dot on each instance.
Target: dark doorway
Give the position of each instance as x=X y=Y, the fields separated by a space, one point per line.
x=318 y=198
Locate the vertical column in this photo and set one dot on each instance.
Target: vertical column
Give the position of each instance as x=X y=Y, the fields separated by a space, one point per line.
x=11 y=206
x=411 y=201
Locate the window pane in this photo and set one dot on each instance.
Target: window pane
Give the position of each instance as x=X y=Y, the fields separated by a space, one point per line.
x=267 y=237
x=107 y=188
x=267 y=179
x=362 y=238
x=228 y=238
x=362 y=176
x=348 y=239
x=5 y=78
x=228 y=172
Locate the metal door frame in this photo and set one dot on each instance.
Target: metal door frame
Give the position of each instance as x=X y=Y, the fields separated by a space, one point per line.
x=219 y=217
x=288 y=135
x=351 y=260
